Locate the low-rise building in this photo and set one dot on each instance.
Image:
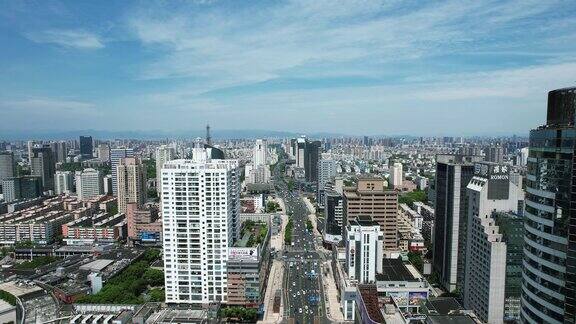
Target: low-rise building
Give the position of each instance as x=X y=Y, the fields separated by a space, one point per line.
x=98 y=228
x=249 y=265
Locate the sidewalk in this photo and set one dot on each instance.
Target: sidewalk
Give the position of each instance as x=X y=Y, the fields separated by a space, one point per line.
x=312 y=216
x=333 y=311
x=274 y=283
x=276 y=274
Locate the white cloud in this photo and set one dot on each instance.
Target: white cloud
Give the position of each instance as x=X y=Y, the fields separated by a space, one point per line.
x=78 y=39
x=48 y=107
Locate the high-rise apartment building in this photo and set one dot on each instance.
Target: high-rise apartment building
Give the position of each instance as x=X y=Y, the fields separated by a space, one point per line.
x=44 y=166
x=21 y=188
x=326 y=172
x=116 y=155
x=89 y=184
x=492 y=189
x=494 y=153
x=61 y=150
x=396 y=175
x=364 y=249
x=86 y=147
x=453 y=173
x=104 y=153
x=370 y=198
x=131 y=175
x=6 y=165
x=200 y=206
x=63 y=182
x=164 y=153
x=260 y=153
x=549 y=277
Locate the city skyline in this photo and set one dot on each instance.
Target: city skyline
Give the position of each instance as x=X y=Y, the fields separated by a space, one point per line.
x=380 y=67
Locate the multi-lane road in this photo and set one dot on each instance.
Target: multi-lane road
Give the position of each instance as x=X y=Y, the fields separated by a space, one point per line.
x=302 y=286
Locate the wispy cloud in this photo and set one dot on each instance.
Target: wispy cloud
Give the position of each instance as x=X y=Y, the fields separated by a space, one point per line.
x=79 y=39
x=48 y=107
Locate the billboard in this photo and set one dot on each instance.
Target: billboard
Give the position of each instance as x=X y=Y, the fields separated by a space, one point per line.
x=149 y=236
x=238 y=253
x=498 y=177
x=415 y=298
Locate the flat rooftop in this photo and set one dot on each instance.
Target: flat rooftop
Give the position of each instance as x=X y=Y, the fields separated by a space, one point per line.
x=20 y=288
x=369 y=296
x=451 y=319
x=443 y=305
x=397 y=270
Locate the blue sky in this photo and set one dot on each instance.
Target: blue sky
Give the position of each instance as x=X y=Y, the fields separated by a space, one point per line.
x=354 y=67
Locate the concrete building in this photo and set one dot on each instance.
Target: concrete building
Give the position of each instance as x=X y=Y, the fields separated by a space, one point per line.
x=43 y=166
x=108 y=184
x=396 y=175
x=248 y=266
x=144 y=225
x=116 y=155
x=200 y=202
x=86 y=147
x=402 y=282
x=104 y=153
x=260 y=153
x=333 y=215
x=164 y=153
x=491 y=189
x=370 y=198
x=453 y=173
x=494 y=153
x=100 y=228
x=131 y=182
x=64 y=182
x=326 y=173
x=549 y=266
x=25 y=187
x=89 y=184
x=364 y=249
x=7 y=165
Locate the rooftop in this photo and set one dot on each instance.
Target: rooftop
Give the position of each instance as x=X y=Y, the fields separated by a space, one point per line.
x=364 y=220
x=369 y=295
x=397 y=270
x=442 y=305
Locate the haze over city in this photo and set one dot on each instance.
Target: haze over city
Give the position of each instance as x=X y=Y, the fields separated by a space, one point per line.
x=347 y=67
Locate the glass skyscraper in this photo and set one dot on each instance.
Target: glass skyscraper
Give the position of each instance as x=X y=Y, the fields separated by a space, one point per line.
x=548 y=264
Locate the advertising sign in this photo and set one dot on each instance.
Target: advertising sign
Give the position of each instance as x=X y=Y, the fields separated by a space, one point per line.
x=236 y=253
x=414 y=298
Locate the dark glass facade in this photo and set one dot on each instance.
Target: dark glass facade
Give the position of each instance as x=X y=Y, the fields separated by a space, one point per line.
x=86 y=147
x=547 y=278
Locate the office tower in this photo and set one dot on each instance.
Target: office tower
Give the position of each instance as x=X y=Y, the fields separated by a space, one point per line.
x=494 y=153
x=104 y=153
x=523 y=156
x=131 y=175
x=333 y=215
x=164 y=154
x=86 y=147
x=61 y=151
x=30 y=145
x=364 y=249
x=366 y=141
x=199 y=203
x=43 y=166
x=25 y=187
x=326 y=172
x=108 y=184
x=6 y=165
x=89 y=184
x=370 y=198
x=453 y=173
x=63 y=182
x=260 y=153
x=299 y=151
x=396 y=175
x=115 y=156
x=550 y=225
x=311 y=155
x=492 y=189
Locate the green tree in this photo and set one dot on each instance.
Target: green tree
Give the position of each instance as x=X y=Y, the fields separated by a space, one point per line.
x=157 y=295
x=154 y=277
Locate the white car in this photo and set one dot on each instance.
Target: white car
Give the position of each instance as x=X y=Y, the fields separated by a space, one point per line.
x=300 y=310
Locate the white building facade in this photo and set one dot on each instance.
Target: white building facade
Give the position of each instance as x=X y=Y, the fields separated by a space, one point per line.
x=200 y=211
x=63 y=182
x=164 y=153
x=491 y=189
x=364 y=249
x=89 y=184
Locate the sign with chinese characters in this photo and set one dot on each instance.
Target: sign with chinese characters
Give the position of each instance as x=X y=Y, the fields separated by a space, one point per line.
x=498 y=176
x=237 y=253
